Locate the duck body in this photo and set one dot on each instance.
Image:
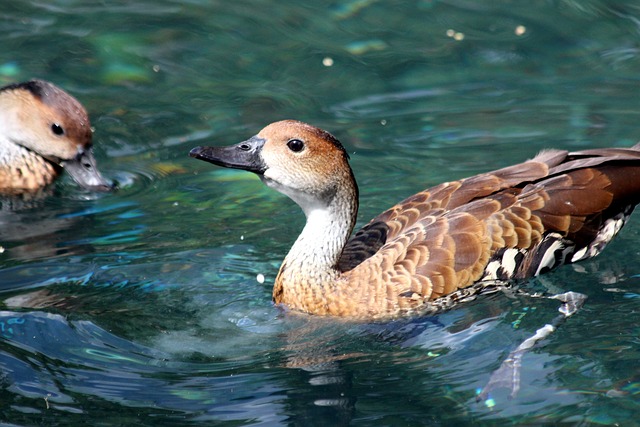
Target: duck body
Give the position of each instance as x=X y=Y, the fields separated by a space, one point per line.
x=441 y=244
x=43 y=131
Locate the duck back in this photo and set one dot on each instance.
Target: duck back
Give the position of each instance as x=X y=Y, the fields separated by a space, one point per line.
x=512 y=223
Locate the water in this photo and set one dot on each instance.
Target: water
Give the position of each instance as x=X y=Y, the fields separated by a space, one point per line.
x=144 y=306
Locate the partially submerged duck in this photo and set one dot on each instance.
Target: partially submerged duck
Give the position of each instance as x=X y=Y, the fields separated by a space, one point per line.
x=440 y=244
x=44 y=130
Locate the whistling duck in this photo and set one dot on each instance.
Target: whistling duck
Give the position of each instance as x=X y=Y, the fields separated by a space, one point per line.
x=42 y=131
x=434 y=247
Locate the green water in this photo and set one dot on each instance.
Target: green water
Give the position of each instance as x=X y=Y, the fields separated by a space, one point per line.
x=143 y=306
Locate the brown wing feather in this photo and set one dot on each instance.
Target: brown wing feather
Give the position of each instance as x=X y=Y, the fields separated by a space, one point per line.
x=441 y=239
x=434 y=201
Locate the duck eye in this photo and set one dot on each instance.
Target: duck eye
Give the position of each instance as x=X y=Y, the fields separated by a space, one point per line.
x=295 y=145
x=57 y=129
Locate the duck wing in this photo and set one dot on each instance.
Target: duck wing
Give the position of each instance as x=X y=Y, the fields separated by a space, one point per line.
x=436 y=200
x=514 y=223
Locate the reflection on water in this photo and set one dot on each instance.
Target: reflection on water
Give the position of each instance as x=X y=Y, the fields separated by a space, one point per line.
x=144 y=306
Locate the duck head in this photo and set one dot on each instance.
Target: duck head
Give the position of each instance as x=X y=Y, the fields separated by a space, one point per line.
x=47 y=121
x=303 y=162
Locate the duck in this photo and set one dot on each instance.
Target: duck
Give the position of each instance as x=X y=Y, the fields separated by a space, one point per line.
x=442 y=245
x=43 y=132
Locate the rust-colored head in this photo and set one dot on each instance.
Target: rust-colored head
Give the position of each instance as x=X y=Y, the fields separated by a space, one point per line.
x=299 y=160
x=49 y=122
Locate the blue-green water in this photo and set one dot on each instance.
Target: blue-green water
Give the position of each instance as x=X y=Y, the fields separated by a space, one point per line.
x=143 y=307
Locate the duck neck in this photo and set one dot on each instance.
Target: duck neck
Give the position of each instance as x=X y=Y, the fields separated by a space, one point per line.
x=325 y=233
x=20 y=168
x=11 y=150
x=311 y=263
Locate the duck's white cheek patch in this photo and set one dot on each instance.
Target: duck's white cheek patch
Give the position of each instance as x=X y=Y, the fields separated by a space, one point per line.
x=267 y=180
x=271 y=180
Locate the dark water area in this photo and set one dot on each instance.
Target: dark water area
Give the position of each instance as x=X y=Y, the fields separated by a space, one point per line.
x=146 y=306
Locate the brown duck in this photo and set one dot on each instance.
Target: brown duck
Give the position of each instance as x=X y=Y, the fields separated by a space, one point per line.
x=44 y=130
x=440 y=244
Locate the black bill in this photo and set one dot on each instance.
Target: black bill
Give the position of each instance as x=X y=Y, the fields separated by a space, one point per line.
x=84 y=171
x=245 y=155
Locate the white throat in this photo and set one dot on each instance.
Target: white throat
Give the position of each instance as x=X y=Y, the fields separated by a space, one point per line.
x=320 y=243
x=329 y=224
x=13 y=132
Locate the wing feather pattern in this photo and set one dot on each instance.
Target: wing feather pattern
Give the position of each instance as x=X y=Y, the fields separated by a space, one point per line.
x=444 y=238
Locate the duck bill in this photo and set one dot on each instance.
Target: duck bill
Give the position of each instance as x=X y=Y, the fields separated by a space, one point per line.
x=245 y=155
x=83 y=169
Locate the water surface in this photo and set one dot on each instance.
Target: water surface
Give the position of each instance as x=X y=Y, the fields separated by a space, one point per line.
x=144 y=306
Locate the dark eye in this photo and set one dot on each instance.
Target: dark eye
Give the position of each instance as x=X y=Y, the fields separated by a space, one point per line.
x=295 y=145
x=57 y=129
